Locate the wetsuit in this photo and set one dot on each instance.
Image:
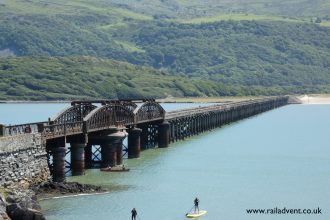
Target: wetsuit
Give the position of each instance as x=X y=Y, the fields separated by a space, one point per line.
x=196 y=201
x=134 y=214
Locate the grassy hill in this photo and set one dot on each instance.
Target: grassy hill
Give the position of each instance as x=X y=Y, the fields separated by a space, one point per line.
x=60 y=78
x=67 y=78
x=62 y=28
x=201 y=8
x=245 y=52
x=216 y=47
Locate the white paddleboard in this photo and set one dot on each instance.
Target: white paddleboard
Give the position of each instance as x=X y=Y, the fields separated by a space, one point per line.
x=197 y=214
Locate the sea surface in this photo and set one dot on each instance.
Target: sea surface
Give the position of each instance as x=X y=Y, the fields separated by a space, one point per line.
x=278 y=159
x=20 y=113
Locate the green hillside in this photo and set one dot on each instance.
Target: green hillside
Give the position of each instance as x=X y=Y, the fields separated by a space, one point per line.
x=65 y=78
x=62 y=28
x=259 y=50
x=57 y=78
x=200 y=8
x=245 y=52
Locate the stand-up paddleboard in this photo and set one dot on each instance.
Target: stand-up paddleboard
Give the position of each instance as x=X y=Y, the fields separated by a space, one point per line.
x=196 y=215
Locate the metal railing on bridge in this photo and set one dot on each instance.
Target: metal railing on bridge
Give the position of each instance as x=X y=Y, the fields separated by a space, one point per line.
x=84 y=117
x=36 y=127
x=216 y=107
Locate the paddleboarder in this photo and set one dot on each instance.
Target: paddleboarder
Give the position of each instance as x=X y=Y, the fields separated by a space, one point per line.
x=134 y=214
x=196 y=202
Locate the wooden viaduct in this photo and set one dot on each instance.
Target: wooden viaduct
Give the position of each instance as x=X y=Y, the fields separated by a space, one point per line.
x=106 y=123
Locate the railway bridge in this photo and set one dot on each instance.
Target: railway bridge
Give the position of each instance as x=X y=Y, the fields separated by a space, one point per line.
x=95 y=130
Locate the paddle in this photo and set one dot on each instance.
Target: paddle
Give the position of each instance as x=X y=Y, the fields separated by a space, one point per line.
x=190 y=210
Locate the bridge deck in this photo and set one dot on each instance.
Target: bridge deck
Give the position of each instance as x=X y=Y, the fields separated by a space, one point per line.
x=84 y=117
x=212 y=108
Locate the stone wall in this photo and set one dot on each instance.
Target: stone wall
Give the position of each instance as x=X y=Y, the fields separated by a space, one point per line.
x=23 y=159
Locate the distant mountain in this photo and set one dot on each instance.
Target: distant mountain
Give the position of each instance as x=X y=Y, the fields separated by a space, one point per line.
x=246 y=52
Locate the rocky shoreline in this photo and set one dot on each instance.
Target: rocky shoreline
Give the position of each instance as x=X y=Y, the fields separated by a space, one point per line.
x=19 y=203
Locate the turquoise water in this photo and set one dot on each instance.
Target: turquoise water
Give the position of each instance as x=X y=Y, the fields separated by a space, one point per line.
x=278 y=159
x=20 y=113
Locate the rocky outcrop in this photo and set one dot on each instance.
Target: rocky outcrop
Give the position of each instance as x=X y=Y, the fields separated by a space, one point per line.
x=17 y=203
x=24 y=175
x=20 y=204
x=50 y=189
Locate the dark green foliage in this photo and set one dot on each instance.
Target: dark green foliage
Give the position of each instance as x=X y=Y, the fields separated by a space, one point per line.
x=210 y=59
x=72 y=78
x=58 y=78
x=245 y=53
x=54 y=36
x=196 y=8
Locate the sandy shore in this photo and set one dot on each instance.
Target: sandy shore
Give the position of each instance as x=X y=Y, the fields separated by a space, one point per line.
x=315 y=99
x=305 y=99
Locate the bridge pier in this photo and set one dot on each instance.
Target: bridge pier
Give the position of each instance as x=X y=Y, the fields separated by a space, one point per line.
x=59 y=164
x=108 y=154
x=77 y=154
x=134 y=141
x=2 y=130
x=163 y=135
x=88 y=156
x=144 y=137
x=119 y=153
x=77 y=159
x=57 y=149
x=111 y=147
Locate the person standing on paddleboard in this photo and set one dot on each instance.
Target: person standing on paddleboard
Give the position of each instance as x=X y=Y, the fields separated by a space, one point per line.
x=134 y=214
x=196 y=201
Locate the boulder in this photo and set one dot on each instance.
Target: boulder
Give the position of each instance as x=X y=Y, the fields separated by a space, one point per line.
x=2 y=203
x=35 y=214
x=22 y=204
x=16 y=212
x=3 y=213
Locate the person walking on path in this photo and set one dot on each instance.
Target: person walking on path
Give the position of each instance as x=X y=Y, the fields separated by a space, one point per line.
x=134 y=214
x=196 y=202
